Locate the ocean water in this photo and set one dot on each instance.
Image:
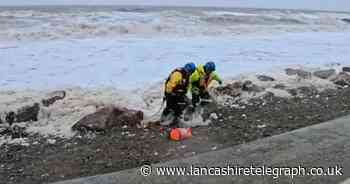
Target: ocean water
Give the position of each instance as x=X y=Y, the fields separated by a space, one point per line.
x=130 y=47
x=60 y=22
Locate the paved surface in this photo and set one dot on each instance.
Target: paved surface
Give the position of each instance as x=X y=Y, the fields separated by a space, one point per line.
x=324 y=145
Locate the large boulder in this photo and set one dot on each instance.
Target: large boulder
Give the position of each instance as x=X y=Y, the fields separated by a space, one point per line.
x=342 y=79
x=28 y=113
x=346 y=69
x=250 y=87
x=265 y=78
x=53 y=97
x=24 y=114
x=107 y=118
x=233 y=89
x=346 y=20
x=300 y=73
x=324 y=74
x=279 y=86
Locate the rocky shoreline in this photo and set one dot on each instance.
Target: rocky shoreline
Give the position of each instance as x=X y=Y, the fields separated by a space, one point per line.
x=235 y=119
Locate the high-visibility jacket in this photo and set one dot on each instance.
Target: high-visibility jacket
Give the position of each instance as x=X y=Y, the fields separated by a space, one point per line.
x=177 y=82
x=200 y=79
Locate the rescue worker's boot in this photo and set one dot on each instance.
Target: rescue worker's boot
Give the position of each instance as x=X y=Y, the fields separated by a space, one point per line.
x=167 y=117
x=188 y=113
x=175 y=122
x=205 y=98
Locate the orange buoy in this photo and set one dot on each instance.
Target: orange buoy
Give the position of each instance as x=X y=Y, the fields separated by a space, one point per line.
x=178 y=134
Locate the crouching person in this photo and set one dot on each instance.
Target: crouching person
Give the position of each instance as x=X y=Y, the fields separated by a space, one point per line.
x=200 y=81
x=176 y=87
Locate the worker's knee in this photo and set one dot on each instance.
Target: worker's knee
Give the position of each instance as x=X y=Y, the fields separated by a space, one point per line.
x=205 y=95
x=195 y=99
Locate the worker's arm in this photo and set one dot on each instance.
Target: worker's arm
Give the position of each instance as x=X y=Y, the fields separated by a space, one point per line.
x=216 y=77
x=195 y=78
x=175 y=79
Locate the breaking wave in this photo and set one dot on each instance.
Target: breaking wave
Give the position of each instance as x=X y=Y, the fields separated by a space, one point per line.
x=79 y=23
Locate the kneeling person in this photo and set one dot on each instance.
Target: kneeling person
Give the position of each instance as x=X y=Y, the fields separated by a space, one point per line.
x=200 y=81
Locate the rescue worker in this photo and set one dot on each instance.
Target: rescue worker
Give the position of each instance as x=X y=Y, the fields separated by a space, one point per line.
x=176 y=88
x=200 y=81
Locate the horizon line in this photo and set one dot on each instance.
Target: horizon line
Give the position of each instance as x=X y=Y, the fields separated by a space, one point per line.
x=170 y=6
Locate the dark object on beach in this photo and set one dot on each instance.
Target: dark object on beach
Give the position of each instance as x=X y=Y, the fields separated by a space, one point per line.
x=15 y=132
x=268 y=96
x=303 y=91
x=300 y=73
x=265 y=78
x=342 y=79
x=28 y=113
x=53 y=97
x=307 y=91
x=324 y=74
x=18 y=132
x=291 y=71
x=346 y=20
x=1 y=122
x=250 y=87
x=279 y=86
x=293 y=92
x=346 y=69
x=10 y=118
x=233 y=90
x=5 y=131
x=109 y=117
